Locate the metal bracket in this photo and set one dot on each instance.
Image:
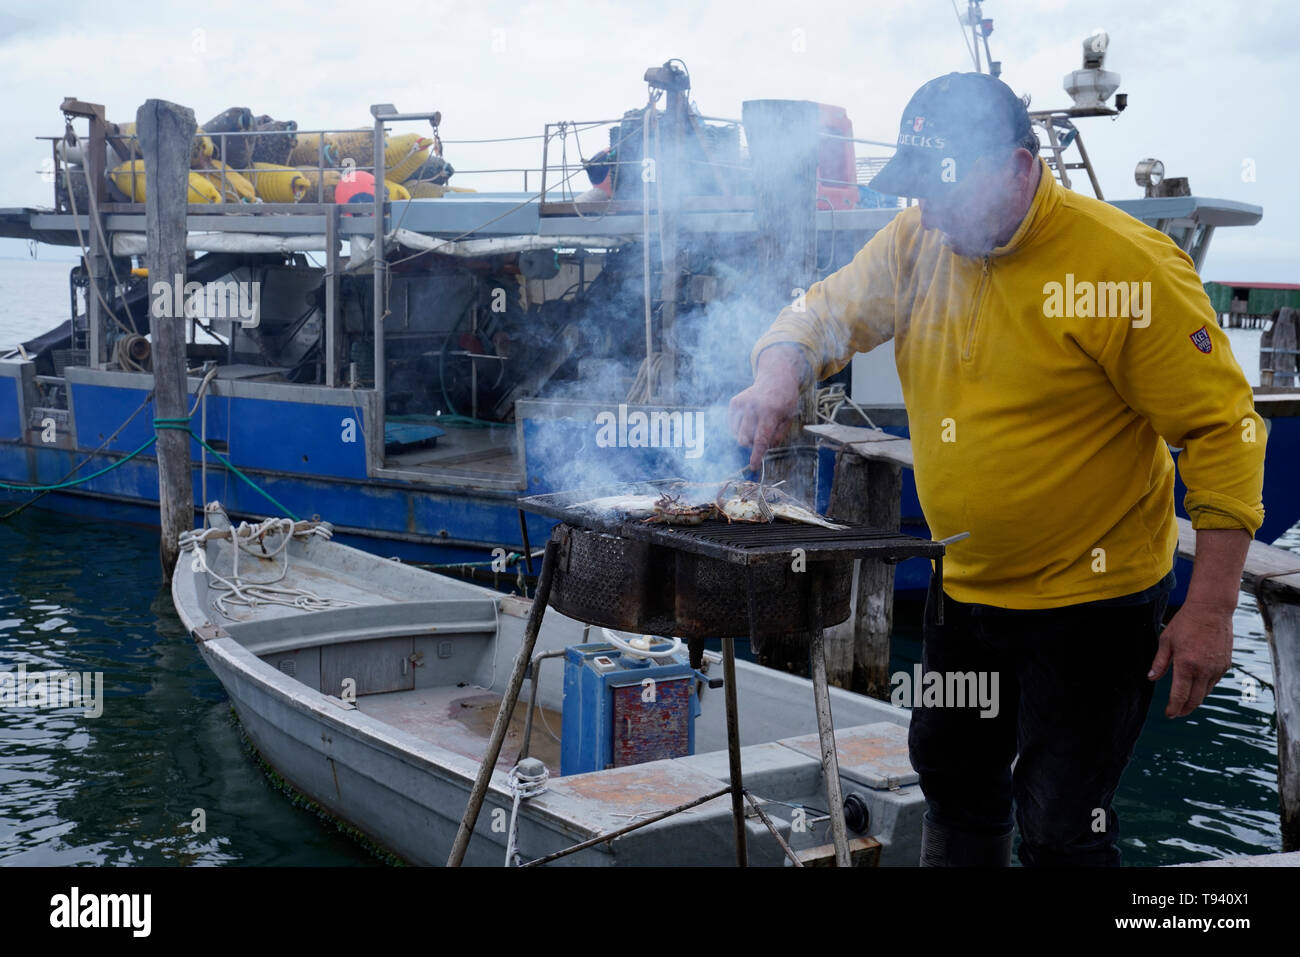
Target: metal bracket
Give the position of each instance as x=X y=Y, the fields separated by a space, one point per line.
x=207 y=631
x=563 y=537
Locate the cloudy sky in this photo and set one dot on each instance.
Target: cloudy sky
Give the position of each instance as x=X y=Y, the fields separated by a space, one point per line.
x=1210 y=84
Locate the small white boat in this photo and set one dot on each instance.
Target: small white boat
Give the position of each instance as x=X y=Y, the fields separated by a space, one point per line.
x=371 y=687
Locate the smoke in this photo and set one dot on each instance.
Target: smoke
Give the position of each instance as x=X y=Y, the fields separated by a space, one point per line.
x=725 y=302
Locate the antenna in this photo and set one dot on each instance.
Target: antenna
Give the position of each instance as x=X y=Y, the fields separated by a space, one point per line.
x=980 y=28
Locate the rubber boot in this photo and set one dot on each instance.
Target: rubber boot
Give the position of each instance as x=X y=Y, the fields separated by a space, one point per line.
x=944 y=847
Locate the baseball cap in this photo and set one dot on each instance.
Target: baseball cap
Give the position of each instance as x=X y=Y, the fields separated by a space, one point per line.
x=949 y=123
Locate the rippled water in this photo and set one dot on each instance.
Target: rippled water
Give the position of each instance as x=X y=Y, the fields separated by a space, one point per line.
x=122 y=788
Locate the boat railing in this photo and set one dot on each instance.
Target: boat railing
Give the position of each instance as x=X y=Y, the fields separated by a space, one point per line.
x=729 y=177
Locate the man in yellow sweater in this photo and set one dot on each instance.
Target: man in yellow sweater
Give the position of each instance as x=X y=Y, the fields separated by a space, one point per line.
x=1050 y=349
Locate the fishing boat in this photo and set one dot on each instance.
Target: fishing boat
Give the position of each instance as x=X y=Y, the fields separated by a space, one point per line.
x=453 y=351
x=370 y=686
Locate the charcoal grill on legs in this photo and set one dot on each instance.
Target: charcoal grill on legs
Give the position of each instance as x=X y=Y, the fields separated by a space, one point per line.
x=711 y=580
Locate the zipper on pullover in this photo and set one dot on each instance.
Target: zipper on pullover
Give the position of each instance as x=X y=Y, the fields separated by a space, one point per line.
x=973 y=322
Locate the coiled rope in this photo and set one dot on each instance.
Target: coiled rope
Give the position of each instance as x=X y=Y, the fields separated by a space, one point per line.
x=252 y=594
x=526 y=779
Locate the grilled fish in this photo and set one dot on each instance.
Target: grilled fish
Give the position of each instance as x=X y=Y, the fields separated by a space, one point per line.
x=752 y=502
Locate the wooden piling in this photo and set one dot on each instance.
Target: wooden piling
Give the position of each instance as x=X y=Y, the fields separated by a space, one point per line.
x=166 y=133
x=1277 y=349
x=1282 y=621
x=866 y=492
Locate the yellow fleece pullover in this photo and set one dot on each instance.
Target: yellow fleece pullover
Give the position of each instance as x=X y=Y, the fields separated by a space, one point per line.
x=1042 y=383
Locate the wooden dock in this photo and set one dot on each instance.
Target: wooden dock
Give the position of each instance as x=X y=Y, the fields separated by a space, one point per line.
x=1271 y=574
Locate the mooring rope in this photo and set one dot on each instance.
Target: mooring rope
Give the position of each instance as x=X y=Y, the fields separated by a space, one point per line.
x=524 y=784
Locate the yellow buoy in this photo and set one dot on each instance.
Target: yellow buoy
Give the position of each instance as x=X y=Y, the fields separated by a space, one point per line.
x=279 y=184
x=237 y=187
x=129 y=178
x=403 y=155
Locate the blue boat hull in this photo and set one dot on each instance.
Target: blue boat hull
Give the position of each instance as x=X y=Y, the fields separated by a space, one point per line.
x=307 y=456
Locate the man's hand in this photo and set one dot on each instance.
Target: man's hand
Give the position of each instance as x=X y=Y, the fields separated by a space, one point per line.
x=1199 y=638
x=760 y=415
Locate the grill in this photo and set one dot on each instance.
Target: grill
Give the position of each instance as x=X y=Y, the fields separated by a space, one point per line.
x=743 y=543
x=708 y=580
x=715 y=579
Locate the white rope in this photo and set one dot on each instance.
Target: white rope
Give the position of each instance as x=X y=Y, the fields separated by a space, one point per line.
x=647 y=376
x=251 y=594
x=496 y=644
x=523 y=785
x=832 y=398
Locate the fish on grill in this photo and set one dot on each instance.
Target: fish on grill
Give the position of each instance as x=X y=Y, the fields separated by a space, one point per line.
x=752 y=502
x=692 y=503
x=629 y=506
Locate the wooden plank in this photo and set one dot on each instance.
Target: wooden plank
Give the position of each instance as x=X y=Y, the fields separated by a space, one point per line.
x=863 y=852
x=869 y=443
x=1261 y=560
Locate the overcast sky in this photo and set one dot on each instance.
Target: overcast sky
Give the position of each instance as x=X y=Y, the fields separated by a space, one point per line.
x=1211 y=84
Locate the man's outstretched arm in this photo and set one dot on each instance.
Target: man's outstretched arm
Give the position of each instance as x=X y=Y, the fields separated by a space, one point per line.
x=850 y=311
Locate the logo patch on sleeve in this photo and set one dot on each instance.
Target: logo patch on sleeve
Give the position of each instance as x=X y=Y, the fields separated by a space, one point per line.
x=1201 y=339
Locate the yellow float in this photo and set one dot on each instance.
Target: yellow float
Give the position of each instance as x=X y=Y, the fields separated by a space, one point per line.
x=129 y=178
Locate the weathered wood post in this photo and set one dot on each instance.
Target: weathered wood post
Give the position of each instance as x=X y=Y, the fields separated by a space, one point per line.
x=1279 y=606
x=166 y=136
x=866 y=492
x=1277 y=349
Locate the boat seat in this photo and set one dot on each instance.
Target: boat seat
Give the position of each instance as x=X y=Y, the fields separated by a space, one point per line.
x=443 y=618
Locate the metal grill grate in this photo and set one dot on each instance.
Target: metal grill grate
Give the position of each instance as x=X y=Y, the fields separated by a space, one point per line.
x=739 y=542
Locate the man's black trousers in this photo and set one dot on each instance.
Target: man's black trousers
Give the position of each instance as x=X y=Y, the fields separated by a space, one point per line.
x=1072 y=697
